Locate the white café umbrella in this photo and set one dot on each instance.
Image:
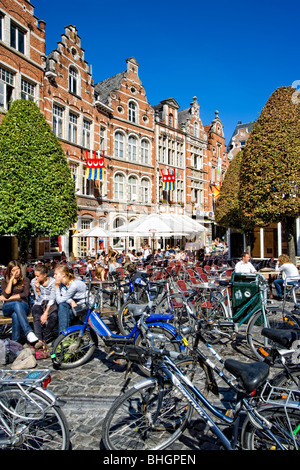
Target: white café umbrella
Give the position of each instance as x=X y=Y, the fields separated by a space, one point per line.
x=162 y=225
x=96 y=232
x=159 y=225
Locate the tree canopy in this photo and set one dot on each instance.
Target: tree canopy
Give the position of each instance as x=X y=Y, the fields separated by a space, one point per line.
x=37 y=194
x=270 y=168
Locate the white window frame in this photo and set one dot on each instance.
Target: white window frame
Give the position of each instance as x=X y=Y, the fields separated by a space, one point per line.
x=145 y=151
x=119 y=144
x=57 y=120
x=119 y=187
x=86 y=133
x=132 y=188
x=145 y=191
x=132 y=148
x=15 y=39
x=73 y=81
x=132 y=112
x=73 y=123
x=27 y=90
x=7 y=86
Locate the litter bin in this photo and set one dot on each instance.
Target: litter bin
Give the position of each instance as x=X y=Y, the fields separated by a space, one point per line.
x=244 y=287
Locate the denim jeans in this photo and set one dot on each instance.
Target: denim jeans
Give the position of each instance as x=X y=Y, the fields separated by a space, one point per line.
x=65 y=316
x=18 y=310
x=278 y=283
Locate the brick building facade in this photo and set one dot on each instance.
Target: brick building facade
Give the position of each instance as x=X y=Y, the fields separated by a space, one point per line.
x=140 y=141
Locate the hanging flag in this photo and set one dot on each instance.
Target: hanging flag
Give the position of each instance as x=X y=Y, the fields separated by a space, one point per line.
x=169 y=180
x=94 y=166
x=217 y=191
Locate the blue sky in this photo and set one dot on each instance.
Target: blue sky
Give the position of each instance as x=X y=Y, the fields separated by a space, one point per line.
x=232 y=55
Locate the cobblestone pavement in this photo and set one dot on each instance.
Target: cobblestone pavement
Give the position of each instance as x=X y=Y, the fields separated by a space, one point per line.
x=87 y=392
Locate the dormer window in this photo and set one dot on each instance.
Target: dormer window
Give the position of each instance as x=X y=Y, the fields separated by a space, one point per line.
x=73 y=81
x=132 y=112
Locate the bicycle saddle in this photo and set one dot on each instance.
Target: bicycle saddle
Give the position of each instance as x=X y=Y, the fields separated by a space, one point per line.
x=285 y=337
x=251 y=375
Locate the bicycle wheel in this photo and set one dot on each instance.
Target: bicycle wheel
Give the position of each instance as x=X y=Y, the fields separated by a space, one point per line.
x=161 y=339
x=284 y=426
x=74 y=349
x=125 y=319
x=259 y=344
x=39 y=425
x=149 y=416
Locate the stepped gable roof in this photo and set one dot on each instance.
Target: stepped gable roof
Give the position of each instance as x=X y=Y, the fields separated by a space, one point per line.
x=104 y=88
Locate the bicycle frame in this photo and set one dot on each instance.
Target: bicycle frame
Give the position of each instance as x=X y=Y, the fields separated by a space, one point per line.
x=195 y=398
x=93 y=321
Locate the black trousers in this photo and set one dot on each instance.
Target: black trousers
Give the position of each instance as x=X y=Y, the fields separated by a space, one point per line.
x=49 y=330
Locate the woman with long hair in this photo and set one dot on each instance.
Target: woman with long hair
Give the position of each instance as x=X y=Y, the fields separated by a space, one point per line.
x=15 y=292
x=70 y=292
x=289 y=272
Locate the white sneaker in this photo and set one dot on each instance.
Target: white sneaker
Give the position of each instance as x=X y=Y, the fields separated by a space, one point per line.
x=31 y=338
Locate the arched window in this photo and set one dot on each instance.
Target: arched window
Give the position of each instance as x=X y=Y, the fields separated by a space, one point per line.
x=132 y=188
x=73 y=81
x=145 y=191
x=132 y=148
x=119 y=187
x=145 y=154
x=196 y=129
x=119 y=145
x=171 y=120
x=132 y=117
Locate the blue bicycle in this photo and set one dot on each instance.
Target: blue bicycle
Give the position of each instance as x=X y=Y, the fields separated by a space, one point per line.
x=75 y=345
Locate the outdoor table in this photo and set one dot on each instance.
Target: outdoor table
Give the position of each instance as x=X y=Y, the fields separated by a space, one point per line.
x=269 y=274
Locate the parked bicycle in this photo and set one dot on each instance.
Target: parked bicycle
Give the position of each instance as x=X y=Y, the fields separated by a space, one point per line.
x=213 y=304
x=76 y=344
x=155 y=412
x=30 y=416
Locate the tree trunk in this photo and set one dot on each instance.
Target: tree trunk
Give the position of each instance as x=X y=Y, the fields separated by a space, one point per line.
x=289 y=227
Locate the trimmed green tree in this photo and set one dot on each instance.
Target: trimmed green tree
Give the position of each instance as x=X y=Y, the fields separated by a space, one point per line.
x=37 y=194
x=228 y=211
x=270 y=168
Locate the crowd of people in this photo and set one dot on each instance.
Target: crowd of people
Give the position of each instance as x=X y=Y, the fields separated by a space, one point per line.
x=57 y=288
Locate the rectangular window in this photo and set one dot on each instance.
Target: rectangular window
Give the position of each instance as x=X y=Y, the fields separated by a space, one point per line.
x=73 y=128
x=17 y=38
x=6 y=87
x=86 y=138
x=57 y=120
x=73 y=81
x=27 y=90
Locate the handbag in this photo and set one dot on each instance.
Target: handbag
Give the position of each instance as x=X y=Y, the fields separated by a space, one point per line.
x=43 y=352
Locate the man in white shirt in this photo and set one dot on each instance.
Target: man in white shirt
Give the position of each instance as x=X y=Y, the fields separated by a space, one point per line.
x=244 y=266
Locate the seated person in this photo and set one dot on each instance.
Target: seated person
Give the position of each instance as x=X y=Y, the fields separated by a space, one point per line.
x=289 y=270
x=15 y=292
x=244 y=266
x=44 y=309
x=70 y=293
x=99 y=273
